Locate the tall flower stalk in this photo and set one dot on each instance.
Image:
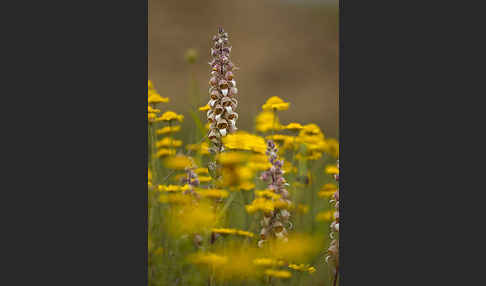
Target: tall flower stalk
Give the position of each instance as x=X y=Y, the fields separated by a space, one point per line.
x=274 y=222
x=332 y=257
x=222 y=115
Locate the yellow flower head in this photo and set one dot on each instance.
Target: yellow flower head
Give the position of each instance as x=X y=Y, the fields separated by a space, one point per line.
x=267 y=262
x=327 y=190
x=168 y=142
x=179 y=162
x=168 y=130
x=153 y=110
x=212 y=193
x=278 y=273
x=302 y=268
x=275 y=103
x=267 y=121
x=294 y=126
x=210 y=259
x=204 y=108
x=170 y=115
x=153 y=96
x=232 y=231
x=325 y=216
x=245 y=141
x=333 y=147
x=165 y=152
x=172 y=188
x=332 y=170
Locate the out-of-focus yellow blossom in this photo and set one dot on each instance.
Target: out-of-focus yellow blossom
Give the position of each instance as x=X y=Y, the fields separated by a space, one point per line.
x=333 y=147
x=204 y=179
x=149 y=175
x=245 y=186
x=236 y=175
x=260 y=204
x=311 y=129
x=232 y=231
x=259 y=162
x=210 y=259
x=269 y=194
x=303 y=268
x=293 y=126
x=289 y=168
x=202 y=148
x=170 y=115
x=232 y=158
x=267 y=121
x=212 y=193
x=168 y=142
x=201 y=171
x=153 y=110
x=165 y=152
x=327 y=190
x=267 y=262
x=191 y=218
x=151 y=116
x=275 y=103
x=154 y=96
x=325 y=216
x=204 y=108
x=301 y=208
x=178 y=162
x=278 y=273
x=175 y=198
x=332 y=170
x=299 y=247
x=245 y=141
x=169 y=129
x=172 y=188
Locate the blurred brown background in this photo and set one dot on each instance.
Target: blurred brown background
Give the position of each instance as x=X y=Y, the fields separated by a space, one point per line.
x=287 y=48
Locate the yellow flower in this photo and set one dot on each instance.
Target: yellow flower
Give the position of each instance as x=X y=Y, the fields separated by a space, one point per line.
x=245 y=141
x=202 y=148
x=294 y=126
x=327 y=190
x=170 y=115
x=325 y=216
x=232 y=231
x=266 y=262
x=150 y=109
x=204 y=108
x=168 y=130
x=175 y=198
x=303 y=268
x=267 y=194
x=165 y=152
x=278 y=273
x=267 y=121
x=333 y=147
x=179 y=162
x=311 y=129
x=275 y=103
x=153 y=96
x=204 y=179
x=245 y=186
x=332 y=170
x=260 y=204
x=168 y=142
x=201 y=171
x=212 y=193
x=209 y=259
x=172 y=188
x=231 y=158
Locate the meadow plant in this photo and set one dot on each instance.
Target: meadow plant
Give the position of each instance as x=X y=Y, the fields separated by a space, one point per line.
x=222 y=115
